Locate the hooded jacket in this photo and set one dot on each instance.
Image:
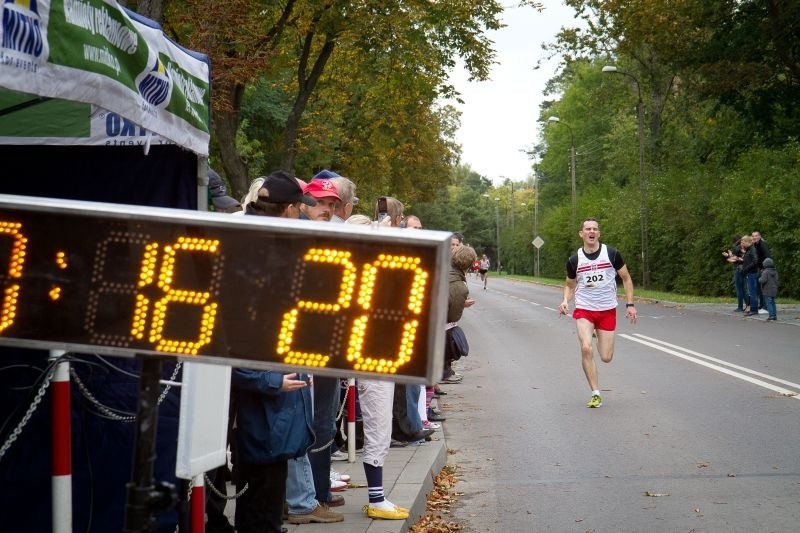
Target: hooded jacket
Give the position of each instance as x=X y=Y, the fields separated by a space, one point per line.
x=769 y=279
x=458 y=293
x=271 y=425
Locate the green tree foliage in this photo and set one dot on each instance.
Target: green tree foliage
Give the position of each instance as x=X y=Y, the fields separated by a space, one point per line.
x=718 y=81
x=357 y=83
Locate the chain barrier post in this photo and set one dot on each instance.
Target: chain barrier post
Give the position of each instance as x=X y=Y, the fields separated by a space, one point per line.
x=144 y=497
x=351 y=420
x=61 y=446
x=197 y=500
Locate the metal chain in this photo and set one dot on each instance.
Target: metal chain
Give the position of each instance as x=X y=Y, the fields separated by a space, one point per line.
x=338 y=417
x=94 y=401
x=218 y=494
x=188 y=499
x=107 y=410
x=31 y=409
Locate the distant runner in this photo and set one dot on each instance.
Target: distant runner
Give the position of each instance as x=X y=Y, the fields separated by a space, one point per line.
x=483 y=269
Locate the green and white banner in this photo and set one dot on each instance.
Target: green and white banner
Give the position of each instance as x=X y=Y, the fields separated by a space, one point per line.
x=36 y=120
x=96 y=52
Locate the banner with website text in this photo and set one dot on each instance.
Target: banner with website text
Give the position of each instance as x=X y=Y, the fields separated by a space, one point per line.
x=99 y=53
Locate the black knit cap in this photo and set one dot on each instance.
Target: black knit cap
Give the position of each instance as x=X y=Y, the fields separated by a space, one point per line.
x=281 y=188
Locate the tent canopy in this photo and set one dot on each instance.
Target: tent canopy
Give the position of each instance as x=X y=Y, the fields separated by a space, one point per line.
x=101 y=54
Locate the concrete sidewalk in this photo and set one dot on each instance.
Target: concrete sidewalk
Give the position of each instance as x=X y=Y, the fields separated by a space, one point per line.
x=407 y=479
x=786 y=313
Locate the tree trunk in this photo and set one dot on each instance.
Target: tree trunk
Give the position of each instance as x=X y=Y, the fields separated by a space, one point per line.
x=152 y=9
x=226 y=124
x=305 y=89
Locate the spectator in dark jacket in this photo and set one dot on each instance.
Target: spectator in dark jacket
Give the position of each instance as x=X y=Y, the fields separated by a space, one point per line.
x=734 y=256
x=750 y=272
x=273 y=410
x=762 y=250
x=769 y=287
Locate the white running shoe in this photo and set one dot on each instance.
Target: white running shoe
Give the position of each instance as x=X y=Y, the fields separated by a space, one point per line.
x=336 y=476
x=338 y=486
x=339 y=455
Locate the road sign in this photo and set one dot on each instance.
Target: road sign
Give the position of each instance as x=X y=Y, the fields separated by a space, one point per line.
x=538 y=242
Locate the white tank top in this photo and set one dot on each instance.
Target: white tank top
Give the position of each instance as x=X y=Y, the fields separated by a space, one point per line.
x=597 y=285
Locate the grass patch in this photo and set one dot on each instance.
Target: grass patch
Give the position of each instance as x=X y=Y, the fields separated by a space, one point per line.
x=658 y=296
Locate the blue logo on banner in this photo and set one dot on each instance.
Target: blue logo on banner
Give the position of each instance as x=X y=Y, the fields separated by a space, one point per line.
x=22 y=30
x=155 y=85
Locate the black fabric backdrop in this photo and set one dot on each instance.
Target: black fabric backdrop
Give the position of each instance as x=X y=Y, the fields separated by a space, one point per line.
x=102 y=449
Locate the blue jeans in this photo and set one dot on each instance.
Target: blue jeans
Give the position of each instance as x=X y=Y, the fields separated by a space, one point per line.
x=771 y=308
x=300 y=494
x=741 y=291
x=752 y=288
x=326 y=405
x=405 y=408
x=412 y=404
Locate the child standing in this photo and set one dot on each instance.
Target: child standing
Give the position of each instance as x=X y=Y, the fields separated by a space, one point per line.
x=769 y=287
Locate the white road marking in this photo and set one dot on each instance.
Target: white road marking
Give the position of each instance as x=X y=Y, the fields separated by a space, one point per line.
x=667 y=348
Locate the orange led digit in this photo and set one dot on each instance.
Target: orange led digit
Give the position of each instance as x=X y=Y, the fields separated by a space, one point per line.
x=252 y=292
x=15 y=265
x=104 y=286
x=360 y=324
x=146 y=276
x=186 y=297
x=289 y=323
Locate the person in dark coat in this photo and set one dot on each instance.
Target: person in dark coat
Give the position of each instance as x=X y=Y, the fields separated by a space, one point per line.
x=762 y=251
x=274 y=413
x=769 y=287
x=750 y=272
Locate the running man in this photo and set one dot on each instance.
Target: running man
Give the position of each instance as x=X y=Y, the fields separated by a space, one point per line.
x=591 y=279
x=483 y=269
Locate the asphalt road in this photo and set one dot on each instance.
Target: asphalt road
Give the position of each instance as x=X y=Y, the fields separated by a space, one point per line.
x=699 y=430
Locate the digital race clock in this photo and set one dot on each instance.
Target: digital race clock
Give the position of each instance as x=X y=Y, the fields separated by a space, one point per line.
x=331 y=299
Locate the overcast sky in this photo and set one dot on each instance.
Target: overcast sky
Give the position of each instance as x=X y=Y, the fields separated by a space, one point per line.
x=498 y=120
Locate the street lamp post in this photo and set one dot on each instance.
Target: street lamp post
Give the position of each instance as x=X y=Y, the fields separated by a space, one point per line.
x=497 y=226
x=572 y=170
x=536 y=220
x=611 y=69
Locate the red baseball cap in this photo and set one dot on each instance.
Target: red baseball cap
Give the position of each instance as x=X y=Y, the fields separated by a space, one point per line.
x=321 y=189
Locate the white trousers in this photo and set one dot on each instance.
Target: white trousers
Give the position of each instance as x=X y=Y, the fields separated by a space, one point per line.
x=376 y=397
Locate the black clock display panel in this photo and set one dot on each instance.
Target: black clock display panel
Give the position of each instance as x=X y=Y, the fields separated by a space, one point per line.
x=328 y=298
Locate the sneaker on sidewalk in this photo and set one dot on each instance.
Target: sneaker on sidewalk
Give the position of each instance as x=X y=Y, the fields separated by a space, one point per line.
x=395 y=513
x=338 y=486
x=763 y=312
x=435 y=416
x=321 y=515
x=337 y=500
x=339 y=455
x=336 y=476
x=595 y=401
x=426 y=424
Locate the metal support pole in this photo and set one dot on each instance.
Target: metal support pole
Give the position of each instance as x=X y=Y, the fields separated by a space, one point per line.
x=536 y=222
x=144 y=497
x=351 y=420
x=642 y=192
x=61 y=443
x=497 y=224
x=574 y=187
